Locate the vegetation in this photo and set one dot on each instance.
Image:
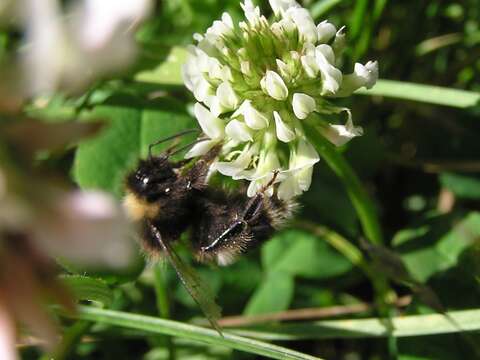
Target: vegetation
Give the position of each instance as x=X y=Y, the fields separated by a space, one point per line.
x=382 y=261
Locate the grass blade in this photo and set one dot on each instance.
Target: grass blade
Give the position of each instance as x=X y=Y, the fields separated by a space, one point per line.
x=424 y=93
x=320 y=8
x=358 y=18
x=405 y=326
x=174 y=328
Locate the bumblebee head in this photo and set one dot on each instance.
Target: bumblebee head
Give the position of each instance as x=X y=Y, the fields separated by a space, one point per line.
x=152 y=179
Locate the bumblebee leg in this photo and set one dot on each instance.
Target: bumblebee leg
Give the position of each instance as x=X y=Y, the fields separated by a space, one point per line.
x=236 y=237
x=256 y=204
x=248 y=229
x=270 y=183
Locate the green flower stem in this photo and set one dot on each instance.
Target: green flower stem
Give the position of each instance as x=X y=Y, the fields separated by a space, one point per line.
x=163 y=305
x=161 y=292
x=339 y=243
x=360 y=199
x=174 y=328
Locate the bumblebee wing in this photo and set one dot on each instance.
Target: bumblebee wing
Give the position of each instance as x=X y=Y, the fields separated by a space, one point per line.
x=197 y=289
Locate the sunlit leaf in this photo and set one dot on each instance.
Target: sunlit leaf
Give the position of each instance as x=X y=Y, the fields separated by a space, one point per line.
x=103 y=161
x=464 y=186
x=439 y=248
x=299 y=253
x=273 y=294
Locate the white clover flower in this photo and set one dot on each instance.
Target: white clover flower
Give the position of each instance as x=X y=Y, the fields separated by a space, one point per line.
x=211 y=126
x=299 y=174
x=303 y=105
x=257 y=81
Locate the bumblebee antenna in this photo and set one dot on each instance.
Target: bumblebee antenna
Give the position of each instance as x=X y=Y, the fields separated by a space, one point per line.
x=171 y=137
x=187 y=146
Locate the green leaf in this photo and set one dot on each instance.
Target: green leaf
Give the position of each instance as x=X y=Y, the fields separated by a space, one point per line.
x=299 y=253
x=274 y=294
x=463 y=186
x=52 y=108
x=169 y=117
x=442 y=247
x=102 y=163
x=423 y=93
x=207 y=336
x=168 y=72
x=87 y=288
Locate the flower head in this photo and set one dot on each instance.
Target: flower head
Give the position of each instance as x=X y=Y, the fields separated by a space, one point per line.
x=257 y=81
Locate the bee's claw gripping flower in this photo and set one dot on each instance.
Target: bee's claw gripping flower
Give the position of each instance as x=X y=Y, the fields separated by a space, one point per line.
x=257 y=81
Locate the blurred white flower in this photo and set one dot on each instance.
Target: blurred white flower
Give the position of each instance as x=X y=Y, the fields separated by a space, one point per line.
x=70 y=49
x=257 y=82
x=7 y=335
x=40 y=220
x=86 y=227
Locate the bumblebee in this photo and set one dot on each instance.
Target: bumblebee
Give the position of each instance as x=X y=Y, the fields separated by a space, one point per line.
x=167 y=198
